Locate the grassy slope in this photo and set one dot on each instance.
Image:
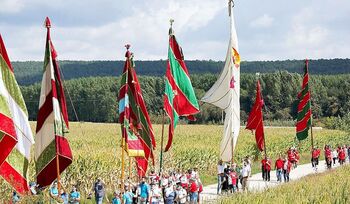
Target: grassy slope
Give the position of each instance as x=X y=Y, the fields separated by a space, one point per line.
x=328 y=187
x=96 y=150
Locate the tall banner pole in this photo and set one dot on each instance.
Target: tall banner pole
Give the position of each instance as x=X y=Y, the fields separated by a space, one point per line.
x=58 y=165
x=265 y=148
x=232 y=146
x=161 y=147
x=58 y=173
x=123 y=164
x=264 y=107
x=48 y=26
x=129 y=180
x=312 y=136
x=124 y=130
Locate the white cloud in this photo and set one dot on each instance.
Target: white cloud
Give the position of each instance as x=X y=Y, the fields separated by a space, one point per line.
x=92 y=29
x=11 y=6
x=308 y=36
x=146 y=28
x=263 y=21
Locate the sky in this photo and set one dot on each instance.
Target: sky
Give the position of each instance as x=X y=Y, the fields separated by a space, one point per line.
x=99 y=29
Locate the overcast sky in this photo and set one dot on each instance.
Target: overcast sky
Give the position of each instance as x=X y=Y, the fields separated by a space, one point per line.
x=99 y=29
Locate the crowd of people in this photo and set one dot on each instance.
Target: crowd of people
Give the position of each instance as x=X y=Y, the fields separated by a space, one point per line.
x=235 y=178
x=339 y=153
x=182 y=187
x=283 y=165
x=174 y=187
x=231 y=177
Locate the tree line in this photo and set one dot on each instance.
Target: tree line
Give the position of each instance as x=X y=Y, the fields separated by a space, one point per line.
x=30 y=72
x=95 y=98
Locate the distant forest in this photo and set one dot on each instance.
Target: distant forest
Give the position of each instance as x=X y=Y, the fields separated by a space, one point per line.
x=30 y=72
x=95 y=98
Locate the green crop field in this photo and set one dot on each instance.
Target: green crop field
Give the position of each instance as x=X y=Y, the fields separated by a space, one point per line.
x=328 y=187
x=97 y=153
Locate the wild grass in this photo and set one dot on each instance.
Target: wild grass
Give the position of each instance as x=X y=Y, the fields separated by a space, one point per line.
x=328 y=187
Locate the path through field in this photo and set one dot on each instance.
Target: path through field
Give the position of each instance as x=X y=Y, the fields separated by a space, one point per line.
x=209 y=194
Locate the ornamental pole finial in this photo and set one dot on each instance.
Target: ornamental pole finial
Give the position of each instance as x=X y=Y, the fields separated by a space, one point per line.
x=128 y=53
x=171 y=31
x=257 y=75
x=47 y=23
x=231 y=4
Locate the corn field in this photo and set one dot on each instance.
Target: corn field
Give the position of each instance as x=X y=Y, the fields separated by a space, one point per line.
x=97 y=153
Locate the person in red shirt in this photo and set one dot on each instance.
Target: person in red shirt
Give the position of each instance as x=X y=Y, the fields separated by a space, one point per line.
x=193 y=191
x=291 y=155
x=296 y=156
x=234 y=178
x=279 y=167
x=315 y=157
x=341 y=155
x=267 y=168
x=263 y=161
x=200 y=190
x=328 y=156
x=287 y=166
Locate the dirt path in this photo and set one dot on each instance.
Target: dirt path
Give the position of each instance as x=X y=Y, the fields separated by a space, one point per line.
x=209 y=194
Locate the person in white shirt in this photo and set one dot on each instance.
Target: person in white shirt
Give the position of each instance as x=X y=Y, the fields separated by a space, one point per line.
x=246 y=171
x=169 y=194
x=195 y=173
x=152 y=176
x=165 y=181
x=184 y=181
x=221 y=168
x=181 y=195
x=334 y=156
x=155 y=194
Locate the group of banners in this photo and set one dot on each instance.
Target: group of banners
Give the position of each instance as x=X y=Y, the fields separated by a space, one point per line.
x=52 y=151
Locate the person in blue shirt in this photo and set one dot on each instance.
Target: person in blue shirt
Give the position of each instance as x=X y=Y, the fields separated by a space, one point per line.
x=127 y=196
x=64 y=196
x=15 y=197
x=74 y=196
x=144 y=191
x=116 y=198
x=54 y=193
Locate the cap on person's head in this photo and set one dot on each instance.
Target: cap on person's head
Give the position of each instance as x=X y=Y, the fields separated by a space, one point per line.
x=116 y=193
